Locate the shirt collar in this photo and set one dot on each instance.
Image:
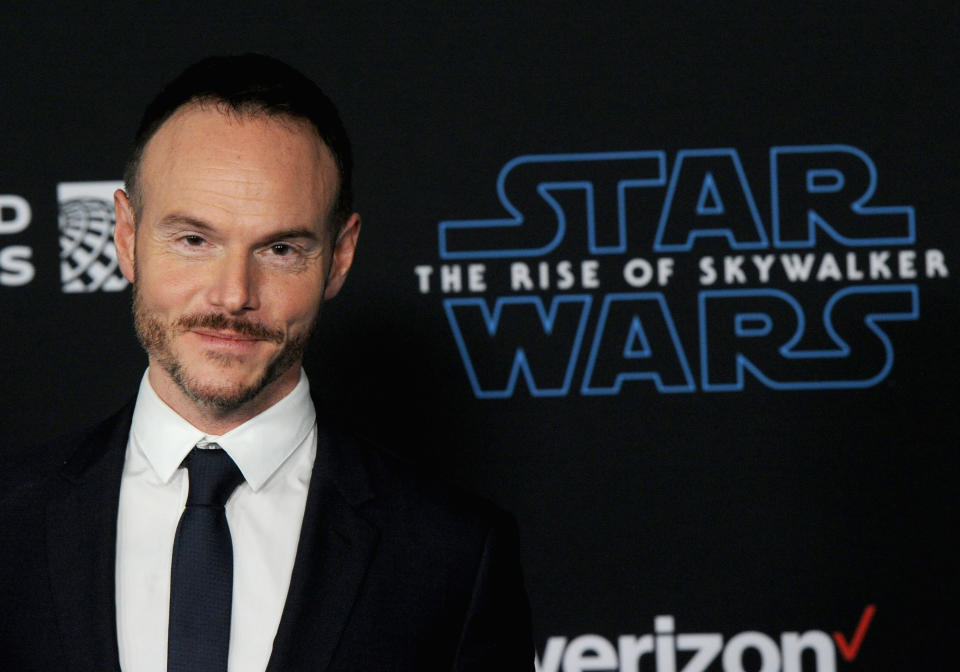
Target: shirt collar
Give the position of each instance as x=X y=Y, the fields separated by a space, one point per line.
x=258 y=447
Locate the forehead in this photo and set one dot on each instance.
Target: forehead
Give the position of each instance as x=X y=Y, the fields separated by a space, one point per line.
x=238 y=165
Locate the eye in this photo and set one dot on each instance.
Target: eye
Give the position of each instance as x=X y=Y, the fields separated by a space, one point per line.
x=193 y=241
x=283 y=254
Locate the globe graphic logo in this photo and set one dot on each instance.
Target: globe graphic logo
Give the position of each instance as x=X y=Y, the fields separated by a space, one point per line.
x=88 y=259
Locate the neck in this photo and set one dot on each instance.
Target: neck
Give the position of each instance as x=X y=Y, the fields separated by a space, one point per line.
x=212 y=419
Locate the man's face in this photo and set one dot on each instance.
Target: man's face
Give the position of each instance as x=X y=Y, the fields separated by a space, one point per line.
x=231 y=256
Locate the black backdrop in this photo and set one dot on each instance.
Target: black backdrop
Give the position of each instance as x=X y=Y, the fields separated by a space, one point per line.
x=792 y=506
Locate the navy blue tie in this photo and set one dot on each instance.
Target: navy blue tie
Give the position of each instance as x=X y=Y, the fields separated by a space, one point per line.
x=201 y=577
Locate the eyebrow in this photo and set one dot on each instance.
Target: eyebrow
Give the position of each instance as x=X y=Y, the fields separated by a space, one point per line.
x=178 y=219
x=295 y=233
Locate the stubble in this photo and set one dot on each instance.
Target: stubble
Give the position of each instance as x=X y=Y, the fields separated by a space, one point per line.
x=156 y=335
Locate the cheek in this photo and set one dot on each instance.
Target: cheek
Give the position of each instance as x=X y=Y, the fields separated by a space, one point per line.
x=167 y=288
x=295 y=303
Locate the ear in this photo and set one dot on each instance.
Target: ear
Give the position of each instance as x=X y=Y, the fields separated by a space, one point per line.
x=125 y=234
x=343 y=249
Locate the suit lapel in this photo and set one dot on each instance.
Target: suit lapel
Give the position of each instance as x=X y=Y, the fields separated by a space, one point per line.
x=336 y=546
x=81 y=545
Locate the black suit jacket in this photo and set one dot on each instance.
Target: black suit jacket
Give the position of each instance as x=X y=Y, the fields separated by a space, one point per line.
x=392 y=572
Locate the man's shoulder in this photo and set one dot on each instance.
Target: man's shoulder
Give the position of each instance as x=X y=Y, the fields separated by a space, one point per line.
x=390 y=486
x=27 y=469
x=442 y=580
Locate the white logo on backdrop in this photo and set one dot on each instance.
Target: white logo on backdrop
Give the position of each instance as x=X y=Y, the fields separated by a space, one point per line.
x=88 y=258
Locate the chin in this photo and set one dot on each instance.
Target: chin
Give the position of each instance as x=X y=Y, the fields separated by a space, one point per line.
x=216 y=390
x=222 y=383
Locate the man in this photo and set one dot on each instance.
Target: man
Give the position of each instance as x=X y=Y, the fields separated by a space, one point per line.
x=216 y=523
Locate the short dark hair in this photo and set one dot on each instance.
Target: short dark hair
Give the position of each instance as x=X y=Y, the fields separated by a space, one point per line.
x=249 y=84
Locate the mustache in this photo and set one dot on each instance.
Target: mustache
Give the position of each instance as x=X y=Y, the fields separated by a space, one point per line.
x=221 y=322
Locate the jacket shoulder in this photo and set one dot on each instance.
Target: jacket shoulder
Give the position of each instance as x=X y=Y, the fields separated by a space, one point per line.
x=24 y=470
x=406 y=489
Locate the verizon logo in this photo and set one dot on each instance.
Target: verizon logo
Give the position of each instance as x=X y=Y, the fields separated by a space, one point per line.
x=665 y=650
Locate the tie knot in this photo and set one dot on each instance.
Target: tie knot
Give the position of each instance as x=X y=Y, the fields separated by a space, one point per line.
x=213 y=477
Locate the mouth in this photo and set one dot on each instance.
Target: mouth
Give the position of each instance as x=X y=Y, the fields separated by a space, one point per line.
x=224 y=335
x=226 y=341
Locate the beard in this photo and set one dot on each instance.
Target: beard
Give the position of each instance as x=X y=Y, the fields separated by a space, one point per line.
x=156 y=336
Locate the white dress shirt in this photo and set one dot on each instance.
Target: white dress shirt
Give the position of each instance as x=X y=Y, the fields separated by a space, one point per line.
x=275 y=452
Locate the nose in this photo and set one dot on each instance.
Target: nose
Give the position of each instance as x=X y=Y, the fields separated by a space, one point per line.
x=234 y=283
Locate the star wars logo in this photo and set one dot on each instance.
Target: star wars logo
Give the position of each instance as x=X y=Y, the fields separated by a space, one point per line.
x=611 y=271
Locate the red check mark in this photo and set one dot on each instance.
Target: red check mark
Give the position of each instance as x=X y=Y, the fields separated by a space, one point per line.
x=849 y=650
